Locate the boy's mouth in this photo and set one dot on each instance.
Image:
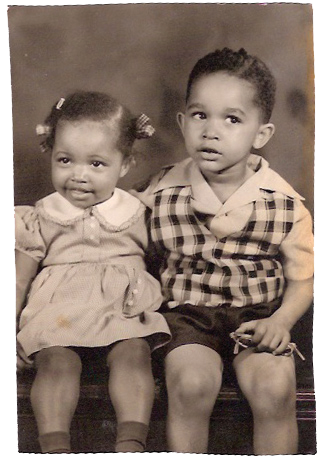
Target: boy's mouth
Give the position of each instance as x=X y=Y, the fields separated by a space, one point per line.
x=209 y=154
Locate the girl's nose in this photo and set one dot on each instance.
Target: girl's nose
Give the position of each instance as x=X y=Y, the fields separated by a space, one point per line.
x=79 y=173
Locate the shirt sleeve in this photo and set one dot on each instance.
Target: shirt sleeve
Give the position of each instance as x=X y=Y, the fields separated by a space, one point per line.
x=144 y=195
x=297 y=247
x=144 y=190
x=27 y=233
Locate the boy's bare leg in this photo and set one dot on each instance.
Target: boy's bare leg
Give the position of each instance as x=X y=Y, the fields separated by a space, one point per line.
x=269 y=384
x=193 y=377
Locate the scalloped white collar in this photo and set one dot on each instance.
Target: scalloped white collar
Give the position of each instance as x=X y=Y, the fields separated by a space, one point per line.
x=117 y=210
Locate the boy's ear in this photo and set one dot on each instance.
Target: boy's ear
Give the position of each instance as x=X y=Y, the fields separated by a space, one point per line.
x=181 y=121
x=264 y=134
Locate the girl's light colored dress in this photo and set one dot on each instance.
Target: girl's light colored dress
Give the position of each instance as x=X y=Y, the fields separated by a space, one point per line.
x=93 y=288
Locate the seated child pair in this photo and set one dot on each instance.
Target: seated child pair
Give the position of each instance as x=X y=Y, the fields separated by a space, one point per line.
x=234 y=244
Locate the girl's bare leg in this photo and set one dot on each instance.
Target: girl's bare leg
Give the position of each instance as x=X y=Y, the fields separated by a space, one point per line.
x=132 y=391
x=269 y=384
x=193 y=377
x=55 y=391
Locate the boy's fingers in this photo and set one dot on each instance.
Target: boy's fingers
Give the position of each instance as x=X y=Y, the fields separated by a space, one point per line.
x=269 y=344
x=21 y=355
x=246 y=327
x=275 y=343
x=20 y=363
x=282 y=347
x=26 y=359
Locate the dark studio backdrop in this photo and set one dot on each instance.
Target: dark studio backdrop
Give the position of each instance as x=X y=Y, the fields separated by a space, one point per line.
x=142 y=54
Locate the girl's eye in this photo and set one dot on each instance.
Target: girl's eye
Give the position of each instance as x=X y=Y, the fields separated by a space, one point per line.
x=64 y=160
x=199 y=116
x=97 y=163
x=233 y=119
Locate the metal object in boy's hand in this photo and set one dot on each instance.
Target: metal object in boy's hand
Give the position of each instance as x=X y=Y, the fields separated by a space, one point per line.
x=245 y=340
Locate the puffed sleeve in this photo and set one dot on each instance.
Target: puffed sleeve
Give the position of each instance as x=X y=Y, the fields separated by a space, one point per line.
x=27 y=232
x=297 y=248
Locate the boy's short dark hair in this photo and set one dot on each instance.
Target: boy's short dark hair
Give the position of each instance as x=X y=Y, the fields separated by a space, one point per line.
x=244 y=66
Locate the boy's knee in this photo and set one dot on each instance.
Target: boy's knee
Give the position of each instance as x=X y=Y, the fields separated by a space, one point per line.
x=272 y=395
x=192 y=388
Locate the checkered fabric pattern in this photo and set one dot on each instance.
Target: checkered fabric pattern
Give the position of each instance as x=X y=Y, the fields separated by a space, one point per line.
x=241 y=269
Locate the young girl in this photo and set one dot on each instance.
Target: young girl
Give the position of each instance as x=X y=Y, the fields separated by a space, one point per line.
x=92 y=296
x=236 y=249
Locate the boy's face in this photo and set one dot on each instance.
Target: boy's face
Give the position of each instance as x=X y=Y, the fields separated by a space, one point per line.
x=222 y=123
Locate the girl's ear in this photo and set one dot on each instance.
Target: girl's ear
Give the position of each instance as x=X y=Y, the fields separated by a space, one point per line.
x=181 y=121
x=264 y=134
x=126 y=164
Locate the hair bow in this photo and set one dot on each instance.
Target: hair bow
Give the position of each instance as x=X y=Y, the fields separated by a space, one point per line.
x=43 y=129
x=144 y=129
x=60 y=103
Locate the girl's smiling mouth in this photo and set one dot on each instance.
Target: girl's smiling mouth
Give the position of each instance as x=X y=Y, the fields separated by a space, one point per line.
x=79 y=191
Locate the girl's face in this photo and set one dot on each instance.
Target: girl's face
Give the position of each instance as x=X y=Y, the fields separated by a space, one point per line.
x=86 y=163
x=221 y=124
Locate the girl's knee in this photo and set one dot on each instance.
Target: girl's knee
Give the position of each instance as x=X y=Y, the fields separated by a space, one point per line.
x=58 y=360
x=135 y=352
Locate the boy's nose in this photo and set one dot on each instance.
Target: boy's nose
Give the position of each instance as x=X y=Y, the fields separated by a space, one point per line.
x=211 y=132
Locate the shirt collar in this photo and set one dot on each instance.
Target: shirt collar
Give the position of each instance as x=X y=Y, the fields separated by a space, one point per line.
x=186 y=173
x=117 y=210
x=179 y=175
x=266 y=178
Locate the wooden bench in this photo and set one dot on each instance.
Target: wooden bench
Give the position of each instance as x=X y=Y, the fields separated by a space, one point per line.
x=93 y=428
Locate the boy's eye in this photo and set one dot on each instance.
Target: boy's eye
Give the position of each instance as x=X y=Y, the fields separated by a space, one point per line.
x=199 y=115
x=233 y=119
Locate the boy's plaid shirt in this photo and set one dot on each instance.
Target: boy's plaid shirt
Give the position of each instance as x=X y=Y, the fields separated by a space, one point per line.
x=242 y=268
x=238 y=270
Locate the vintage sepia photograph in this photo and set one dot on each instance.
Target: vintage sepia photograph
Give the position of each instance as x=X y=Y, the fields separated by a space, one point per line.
x=163 y=230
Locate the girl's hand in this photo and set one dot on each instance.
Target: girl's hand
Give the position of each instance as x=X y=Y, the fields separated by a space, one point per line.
x=22 y=360
x=267 y=334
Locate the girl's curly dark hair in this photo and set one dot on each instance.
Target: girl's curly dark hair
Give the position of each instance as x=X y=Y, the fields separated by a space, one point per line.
x=244 y=66
x=95 y=106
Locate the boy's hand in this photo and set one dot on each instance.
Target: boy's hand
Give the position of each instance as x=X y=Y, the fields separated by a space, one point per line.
x=22 y=360
x=267 y=334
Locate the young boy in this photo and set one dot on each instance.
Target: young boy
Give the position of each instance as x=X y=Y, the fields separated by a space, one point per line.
x=235 y=242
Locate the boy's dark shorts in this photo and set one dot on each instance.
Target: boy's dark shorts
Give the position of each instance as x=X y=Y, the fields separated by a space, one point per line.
x=211 y=326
